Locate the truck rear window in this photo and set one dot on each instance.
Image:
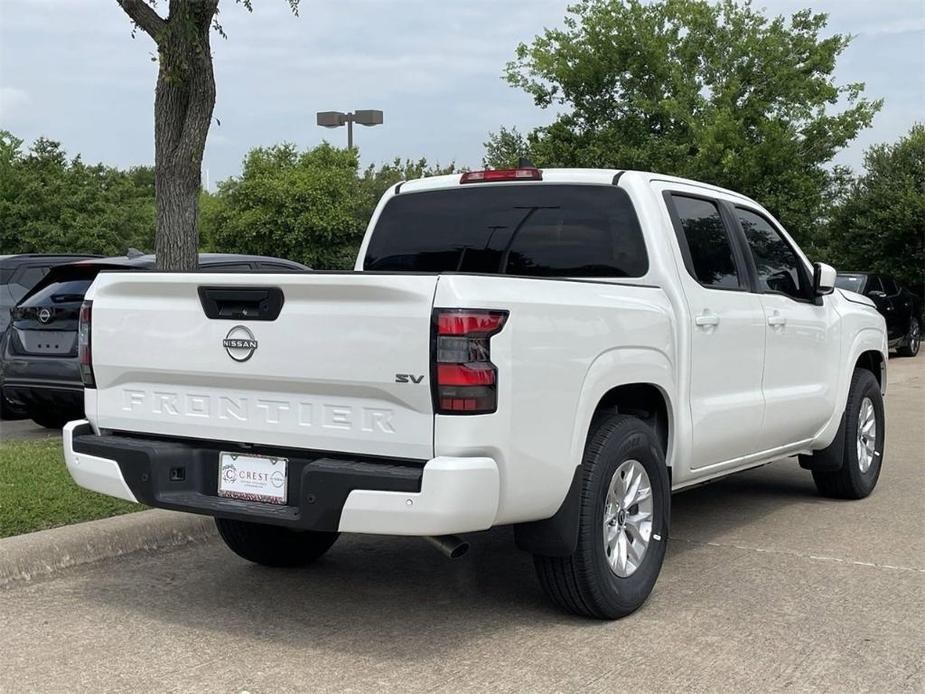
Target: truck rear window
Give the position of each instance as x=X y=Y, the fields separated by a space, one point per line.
x=534 y=229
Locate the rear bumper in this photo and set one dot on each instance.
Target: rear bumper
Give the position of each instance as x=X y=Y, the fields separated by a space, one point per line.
x=380 y=496
x=44 y=396
x=43 y=383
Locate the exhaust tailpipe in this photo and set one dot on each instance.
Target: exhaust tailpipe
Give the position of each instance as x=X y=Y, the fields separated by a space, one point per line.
x=451 y=546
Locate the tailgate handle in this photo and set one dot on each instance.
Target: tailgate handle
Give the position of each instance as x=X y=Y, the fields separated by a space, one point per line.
x=241 y=303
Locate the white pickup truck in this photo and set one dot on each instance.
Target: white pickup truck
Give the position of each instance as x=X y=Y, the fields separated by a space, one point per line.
x=556 y=350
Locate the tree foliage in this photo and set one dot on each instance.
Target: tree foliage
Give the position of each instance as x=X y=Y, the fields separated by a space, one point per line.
x=49 y=203
x=879 y=224
x=717 y=92
x=505 y=148
x=312 y=206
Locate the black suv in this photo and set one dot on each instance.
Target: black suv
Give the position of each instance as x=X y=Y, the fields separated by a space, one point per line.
x=38 y=352
x=901 y=309
x=18 y=274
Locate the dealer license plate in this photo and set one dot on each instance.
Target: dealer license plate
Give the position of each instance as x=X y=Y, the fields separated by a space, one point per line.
x=252 y=477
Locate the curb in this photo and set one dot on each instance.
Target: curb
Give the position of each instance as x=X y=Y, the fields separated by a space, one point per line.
x=24 y=557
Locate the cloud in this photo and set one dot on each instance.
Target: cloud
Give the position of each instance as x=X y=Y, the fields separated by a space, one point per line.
x=900 y=26
x=13 y=101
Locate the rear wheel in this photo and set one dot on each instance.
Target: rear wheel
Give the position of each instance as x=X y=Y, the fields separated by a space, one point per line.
x=912 y=340
x=863 y=445
x=623 y=524
x=272 y=545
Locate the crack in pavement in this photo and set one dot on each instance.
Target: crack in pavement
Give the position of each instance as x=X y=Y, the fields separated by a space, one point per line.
x=800 y=555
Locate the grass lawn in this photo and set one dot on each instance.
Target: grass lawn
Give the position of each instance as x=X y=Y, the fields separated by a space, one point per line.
x=36 y=491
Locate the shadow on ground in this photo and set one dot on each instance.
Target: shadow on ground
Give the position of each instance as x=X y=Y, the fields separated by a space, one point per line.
x=408 y=597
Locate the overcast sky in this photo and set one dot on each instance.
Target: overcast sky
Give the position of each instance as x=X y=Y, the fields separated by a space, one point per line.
x=70 y=70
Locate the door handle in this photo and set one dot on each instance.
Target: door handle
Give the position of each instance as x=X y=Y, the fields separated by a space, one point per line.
x=777 y=321
x=707 y=319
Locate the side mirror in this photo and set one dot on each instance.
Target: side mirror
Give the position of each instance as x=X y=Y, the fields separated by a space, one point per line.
x=823 y=279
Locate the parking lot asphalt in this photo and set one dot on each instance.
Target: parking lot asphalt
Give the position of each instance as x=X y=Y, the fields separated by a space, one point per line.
x=766 y=587
x=24 y=429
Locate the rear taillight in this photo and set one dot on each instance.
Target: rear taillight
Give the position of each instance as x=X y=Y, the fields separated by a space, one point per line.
x=84 y=355
x=464 y=379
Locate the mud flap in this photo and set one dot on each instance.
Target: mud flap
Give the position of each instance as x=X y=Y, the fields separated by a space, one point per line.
x=831 y=457
x=556 y=536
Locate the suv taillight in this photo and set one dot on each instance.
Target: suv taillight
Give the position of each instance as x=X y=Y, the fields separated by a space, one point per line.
x=84 y=355
x=464 y=379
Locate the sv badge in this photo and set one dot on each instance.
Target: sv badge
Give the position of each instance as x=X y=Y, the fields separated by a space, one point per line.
x=408 y=378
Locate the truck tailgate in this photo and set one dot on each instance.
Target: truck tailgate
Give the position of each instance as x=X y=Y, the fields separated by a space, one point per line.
x=323 y=375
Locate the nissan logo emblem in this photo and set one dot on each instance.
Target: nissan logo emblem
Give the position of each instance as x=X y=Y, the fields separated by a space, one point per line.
x=44 y=315
x=240 y=343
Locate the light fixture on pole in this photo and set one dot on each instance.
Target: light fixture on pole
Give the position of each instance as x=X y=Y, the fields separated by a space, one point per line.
x=335 y=119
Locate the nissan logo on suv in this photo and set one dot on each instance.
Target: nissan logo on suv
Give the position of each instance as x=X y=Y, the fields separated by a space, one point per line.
x=240 y=343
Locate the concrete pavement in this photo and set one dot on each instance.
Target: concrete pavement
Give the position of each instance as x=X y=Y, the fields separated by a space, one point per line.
x=25 y=429
x=766 y=587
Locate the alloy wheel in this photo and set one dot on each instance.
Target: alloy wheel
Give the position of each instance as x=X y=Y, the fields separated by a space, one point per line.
x=867 y=435
x=627 y=519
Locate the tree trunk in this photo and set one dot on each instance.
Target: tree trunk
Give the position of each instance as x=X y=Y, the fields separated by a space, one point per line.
x=183 y=106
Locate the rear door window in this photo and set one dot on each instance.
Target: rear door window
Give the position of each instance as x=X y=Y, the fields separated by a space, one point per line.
x=711 y=259
x=544 y=229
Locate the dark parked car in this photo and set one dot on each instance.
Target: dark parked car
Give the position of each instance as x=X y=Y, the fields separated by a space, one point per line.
x=39 y=372
x=18 y=274
x=901 y=309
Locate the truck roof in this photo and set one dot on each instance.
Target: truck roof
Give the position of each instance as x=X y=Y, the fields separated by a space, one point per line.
x=586 y=176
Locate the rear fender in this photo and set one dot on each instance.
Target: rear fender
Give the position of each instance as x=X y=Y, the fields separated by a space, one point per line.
x=619 y=367
x=558 y=535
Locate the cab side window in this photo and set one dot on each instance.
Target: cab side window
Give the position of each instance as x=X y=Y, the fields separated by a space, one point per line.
x=873 y=285
x=227 y=267
x=276 y=267
x=779 y=268
x=712 y=262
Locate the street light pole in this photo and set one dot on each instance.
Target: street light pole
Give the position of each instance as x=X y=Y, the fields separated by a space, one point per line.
x=335 y=119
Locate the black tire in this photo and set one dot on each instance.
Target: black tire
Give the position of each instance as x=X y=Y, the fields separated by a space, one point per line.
x=272 y=545
x=51 y=419
x=912 y=340
x=584 y=583
x=849 y=481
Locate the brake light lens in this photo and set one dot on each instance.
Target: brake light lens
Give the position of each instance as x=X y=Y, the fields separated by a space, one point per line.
x=464 y=380
x=493 y=175
x=84 y=354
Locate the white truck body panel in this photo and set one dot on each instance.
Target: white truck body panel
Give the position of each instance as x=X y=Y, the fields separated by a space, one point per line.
x=322 y=376
x=557 y=332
